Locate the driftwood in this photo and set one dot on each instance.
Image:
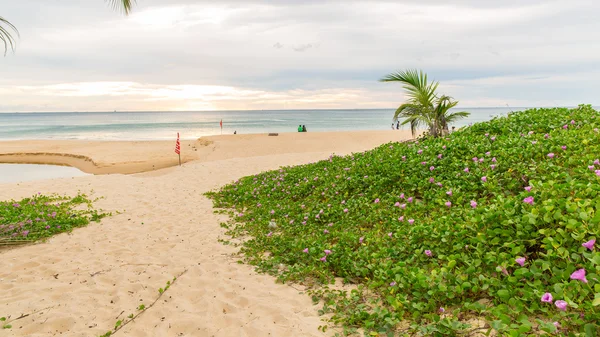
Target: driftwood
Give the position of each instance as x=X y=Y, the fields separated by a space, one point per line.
x=273 y=134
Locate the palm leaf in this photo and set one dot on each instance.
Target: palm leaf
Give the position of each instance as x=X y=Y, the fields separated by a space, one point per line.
x=125 y=5
x=5 y=35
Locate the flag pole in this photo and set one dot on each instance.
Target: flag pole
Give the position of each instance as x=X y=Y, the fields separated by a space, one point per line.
x=178 y=148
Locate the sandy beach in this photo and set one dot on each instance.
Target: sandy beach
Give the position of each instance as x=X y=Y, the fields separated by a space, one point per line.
x=80 y=284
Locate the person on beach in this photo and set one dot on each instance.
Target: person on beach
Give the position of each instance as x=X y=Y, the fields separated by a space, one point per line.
x=303 y=128
x=235 y=132
x=453 y=129
x=299 y=128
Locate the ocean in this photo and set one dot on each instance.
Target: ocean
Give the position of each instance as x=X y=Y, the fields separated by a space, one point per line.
x=192 y=125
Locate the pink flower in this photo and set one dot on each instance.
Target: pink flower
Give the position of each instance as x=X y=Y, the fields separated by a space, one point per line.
x=403 y=206
x=327 y=251
x=361 y=239
x=466 y=169
x=441 y=310
x=325 y=231
x=420 y=151
x=528 y=188
x=550 y=155
x=305 y=250
x=473 y=203
x=534 y=142
x=324 y=259
x=439 y=156
x=597 y=173
x=270 y=234
x=449 y=193
x=444 y=147
x=390 y=234
x=572 y=122
x=423 y=163
x=547 y=298
x=492 y=166
x=579 y=275
x=493 y=138
x=428 y=252
x=393 y=283
x=411 y=221
x=561 y=305
x=410 y=199
x=481 y=160
x=556 y=324
x=431 y=180
x=520 y=261
x=377 y=200
x=345 y=210
x=546 y=136
x=397 y=204
x=528 y=200
x=590 y=244
x=272 y=212
x=401 y=218
x=431 y=168
x=402 y=196
x=475 y=159
x=494 y=160
x=565 y=126
x=448 y=203
x=484 y=179
x=597 y=162
x=404 y=158
x=591 y=167
x=488 y=153
x=563 y=147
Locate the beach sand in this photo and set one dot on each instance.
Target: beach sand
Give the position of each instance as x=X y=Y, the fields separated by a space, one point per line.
x=80 y=284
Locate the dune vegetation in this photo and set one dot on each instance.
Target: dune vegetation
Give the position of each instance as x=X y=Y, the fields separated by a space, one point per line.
x=490 y=229
x=42 y=216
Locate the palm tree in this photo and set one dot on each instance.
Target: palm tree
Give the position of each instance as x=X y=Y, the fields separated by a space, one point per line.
x=6 y=27
x=424 y=107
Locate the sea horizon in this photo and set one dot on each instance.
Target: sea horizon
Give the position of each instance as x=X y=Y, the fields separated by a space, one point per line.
x=164 y=125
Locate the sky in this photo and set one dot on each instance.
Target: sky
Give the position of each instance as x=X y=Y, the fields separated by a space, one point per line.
x=188 y=55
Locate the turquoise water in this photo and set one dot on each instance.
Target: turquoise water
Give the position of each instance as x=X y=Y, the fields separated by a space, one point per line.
x=191 y=125
x=15 y=173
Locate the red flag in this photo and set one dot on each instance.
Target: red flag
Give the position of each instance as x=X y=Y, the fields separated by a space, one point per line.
x=221 y=124
x=178 y=145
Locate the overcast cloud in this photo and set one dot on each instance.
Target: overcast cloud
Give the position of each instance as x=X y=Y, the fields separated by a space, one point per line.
x=78 y=55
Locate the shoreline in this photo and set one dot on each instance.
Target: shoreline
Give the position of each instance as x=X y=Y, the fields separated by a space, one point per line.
x=130 y=157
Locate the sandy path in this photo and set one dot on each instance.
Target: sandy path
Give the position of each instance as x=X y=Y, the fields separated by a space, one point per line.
x=166 y=226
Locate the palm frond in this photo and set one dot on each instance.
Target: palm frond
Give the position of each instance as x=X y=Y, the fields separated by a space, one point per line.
x=454 y=116
x=6 y=36
x=124 y=5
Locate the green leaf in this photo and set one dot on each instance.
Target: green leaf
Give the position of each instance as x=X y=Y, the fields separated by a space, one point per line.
x=503 y=293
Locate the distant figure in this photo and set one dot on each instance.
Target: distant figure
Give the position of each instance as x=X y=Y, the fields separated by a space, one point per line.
x=453 y=129
x=299 y=128
x=303 y=128
x=392 y=125
x=235 y=132
x=398 y=125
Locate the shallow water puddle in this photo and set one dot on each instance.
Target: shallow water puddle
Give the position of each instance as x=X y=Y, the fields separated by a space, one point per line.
x=15 y=173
